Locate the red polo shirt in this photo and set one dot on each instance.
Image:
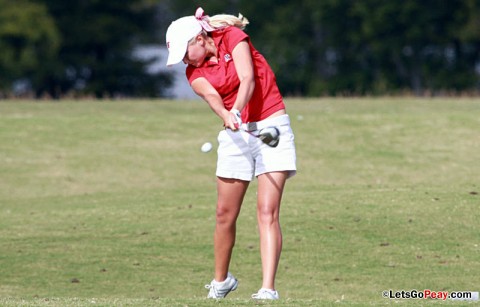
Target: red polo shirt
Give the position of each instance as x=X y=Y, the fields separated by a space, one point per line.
x=266 y=98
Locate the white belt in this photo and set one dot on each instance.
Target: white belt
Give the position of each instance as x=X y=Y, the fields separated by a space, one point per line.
x=269 y=122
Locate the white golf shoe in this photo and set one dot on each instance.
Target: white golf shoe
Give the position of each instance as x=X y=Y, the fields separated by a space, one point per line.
x=221 y=289
x=266 y=294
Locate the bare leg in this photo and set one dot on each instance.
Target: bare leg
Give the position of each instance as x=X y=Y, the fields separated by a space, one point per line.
x=229 y=202
x=270 y=190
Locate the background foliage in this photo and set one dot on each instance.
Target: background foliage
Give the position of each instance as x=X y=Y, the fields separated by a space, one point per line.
x=88 y=47
x=330 y=47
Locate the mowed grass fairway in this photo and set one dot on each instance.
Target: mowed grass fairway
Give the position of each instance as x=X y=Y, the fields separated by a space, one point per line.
x=113 y=203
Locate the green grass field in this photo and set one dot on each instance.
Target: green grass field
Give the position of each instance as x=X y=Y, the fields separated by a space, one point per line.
x=112 y=203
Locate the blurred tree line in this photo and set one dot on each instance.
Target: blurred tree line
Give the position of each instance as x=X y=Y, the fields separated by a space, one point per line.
x=328 y=47
x=80 y=47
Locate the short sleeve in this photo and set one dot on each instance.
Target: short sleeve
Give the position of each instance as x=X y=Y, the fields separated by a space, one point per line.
x=232 y=37
x=192 y=74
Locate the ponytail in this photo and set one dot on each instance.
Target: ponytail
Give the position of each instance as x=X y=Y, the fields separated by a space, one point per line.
x=223 y=20
x=220 y=21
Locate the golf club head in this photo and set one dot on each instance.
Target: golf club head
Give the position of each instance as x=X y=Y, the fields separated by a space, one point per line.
x=269 y=136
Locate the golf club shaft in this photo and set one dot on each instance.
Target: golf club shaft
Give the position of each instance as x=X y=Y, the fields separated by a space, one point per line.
x=244 y=130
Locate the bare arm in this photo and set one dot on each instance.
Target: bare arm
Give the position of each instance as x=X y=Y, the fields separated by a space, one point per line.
x=242 y=58
x=204 y=89
x=244 y=66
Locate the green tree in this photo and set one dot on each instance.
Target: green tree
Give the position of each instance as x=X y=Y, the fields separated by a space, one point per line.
x=29 y=42
x=361 y=47
x=98 y=38
x=387 y=46
x=419 y=41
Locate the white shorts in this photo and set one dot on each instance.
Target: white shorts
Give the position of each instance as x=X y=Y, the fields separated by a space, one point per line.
x=243 y=156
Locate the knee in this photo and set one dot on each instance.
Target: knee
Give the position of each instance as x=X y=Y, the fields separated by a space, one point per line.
x=267 y=215
x=224 y=215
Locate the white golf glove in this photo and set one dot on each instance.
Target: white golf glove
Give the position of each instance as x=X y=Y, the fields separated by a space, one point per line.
x=238 y=118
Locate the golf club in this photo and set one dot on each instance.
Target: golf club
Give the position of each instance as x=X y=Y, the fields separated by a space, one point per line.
x=269 y=135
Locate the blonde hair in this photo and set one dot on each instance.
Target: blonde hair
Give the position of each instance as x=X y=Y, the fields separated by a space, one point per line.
x=224 y=20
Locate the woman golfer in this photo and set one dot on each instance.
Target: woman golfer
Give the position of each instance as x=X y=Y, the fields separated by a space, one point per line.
x=239 y=86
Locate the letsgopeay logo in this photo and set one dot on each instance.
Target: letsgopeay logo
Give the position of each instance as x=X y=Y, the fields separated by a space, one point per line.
x=227 y=58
